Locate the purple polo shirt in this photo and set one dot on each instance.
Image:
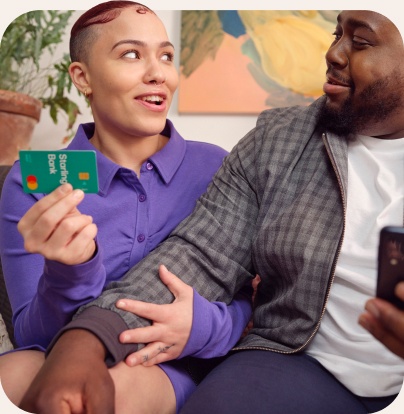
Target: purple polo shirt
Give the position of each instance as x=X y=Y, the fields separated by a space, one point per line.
x=132 y=214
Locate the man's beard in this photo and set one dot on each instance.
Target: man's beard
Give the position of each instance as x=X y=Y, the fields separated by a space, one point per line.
x=377 y=102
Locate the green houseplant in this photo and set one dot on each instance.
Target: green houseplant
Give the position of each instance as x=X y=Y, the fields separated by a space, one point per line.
x=27 y=78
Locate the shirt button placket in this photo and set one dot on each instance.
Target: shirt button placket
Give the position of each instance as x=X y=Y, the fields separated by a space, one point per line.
x=142 y=197
x=141 y=237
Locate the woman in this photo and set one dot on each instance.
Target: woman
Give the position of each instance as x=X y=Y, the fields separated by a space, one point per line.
x=149 y=178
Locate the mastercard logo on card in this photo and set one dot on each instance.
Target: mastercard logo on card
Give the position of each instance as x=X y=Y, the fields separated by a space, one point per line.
x=44 y=171
x=32 y=183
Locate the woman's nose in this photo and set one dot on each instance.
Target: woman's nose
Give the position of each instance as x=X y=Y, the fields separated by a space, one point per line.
x=155 y=74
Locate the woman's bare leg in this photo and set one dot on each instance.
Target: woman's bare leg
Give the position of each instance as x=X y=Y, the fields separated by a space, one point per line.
x=138 y=390
x=141 y=390
x=17 y=370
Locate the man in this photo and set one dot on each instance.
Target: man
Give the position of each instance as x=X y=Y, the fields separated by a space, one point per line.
x=299 y=201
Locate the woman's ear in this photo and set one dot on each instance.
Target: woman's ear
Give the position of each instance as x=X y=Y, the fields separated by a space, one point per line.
x=79 y=76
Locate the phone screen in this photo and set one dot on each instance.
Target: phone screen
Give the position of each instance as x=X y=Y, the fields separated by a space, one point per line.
x=390 y=264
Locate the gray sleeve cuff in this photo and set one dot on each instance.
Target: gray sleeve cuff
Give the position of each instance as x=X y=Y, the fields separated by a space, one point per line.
x=107 y=326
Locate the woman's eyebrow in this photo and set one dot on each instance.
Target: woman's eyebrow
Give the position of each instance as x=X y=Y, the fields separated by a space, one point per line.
x=140 y=43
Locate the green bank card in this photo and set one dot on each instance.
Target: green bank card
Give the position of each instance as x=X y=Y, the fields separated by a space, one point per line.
x=43 y=171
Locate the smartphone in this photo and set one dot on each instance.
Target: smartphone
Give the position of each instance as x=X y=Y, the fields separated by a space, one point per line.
x=390 y=264
x=44 y=171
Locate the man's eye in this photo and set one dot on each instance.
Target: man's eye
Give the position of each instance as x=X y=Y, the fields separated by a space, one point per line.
x=359 y=42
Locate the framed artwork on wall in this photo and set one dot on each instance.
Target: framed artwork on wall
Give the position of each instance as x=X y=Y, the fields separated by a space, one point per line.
x=245 y=61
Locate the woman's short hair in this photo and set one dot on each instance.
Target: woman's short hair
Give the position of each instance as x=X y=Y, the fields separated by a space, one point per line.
x=82 y=34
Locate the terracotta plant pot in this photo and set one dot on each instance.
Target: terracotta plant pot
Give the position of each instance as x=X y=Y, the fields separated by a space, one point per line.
x=19 y=113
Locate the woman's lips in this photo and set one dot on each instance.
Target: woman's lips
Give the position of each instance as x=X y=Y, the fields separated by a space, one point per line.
x=154 y=102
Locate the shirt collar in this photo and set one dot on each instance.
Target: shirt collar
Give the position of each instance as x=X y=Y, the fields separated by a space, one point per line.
x=166 y=161
x=169 y=158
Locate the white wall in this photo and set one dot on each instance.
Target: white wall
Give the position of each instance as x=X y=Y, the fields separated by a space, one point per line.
x=223 y=130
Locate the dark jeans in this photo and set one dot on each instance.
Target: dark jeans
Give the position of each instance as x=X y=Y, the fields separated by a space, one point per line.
x=258 y=382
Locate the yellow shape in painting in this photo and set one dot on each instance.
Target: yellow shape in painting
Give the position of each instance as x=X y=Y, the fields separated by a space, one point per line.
x=292 y=48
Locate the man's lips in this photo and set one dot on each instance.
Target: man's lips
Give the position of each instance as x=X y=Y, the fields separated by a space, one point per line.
x=336 y=80
x=334 y=85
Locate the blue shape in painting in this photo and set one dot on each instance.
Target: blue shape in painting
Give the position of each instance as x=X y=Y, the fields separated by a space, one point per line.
x=231 y=22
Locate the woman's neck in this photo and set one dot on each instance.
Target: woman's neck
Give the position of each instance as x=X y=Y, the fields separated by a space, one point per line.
x=130 y=152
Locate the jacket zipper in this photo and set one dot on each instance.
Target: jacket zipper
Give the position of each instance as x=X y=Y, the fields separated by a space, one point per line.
x=332 y=271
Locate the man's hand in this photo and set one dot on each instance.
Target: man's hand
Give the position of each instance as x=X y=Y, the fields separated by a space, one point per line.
x=169 y=333
x=73 y=380
x=55 y=228
x=386 y=322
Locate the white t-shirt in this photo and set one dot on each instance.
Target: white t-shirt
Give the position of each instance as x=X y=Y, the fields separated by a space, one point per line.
x=374 y=200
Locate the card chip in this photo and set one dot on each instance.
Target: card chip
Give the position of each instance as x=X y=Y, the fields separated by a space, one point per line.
x=84 y=176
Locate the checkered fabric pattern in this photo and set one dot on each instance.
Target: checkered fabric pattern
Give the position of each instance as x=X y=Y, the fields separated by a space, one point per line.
x=276 y=209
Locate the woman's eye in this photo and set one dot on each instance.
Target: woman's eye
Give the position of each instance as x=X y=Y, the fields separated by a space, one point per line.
x=169 y=57
x=131 y=54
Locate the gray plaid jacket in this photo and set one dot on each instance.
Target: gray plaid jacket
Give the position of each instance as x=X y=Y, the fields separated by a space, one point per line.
x=275 y=208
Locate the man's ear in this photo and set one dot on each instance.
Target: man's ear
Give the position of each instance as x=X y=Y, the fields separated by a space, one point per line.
x=79 y=75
